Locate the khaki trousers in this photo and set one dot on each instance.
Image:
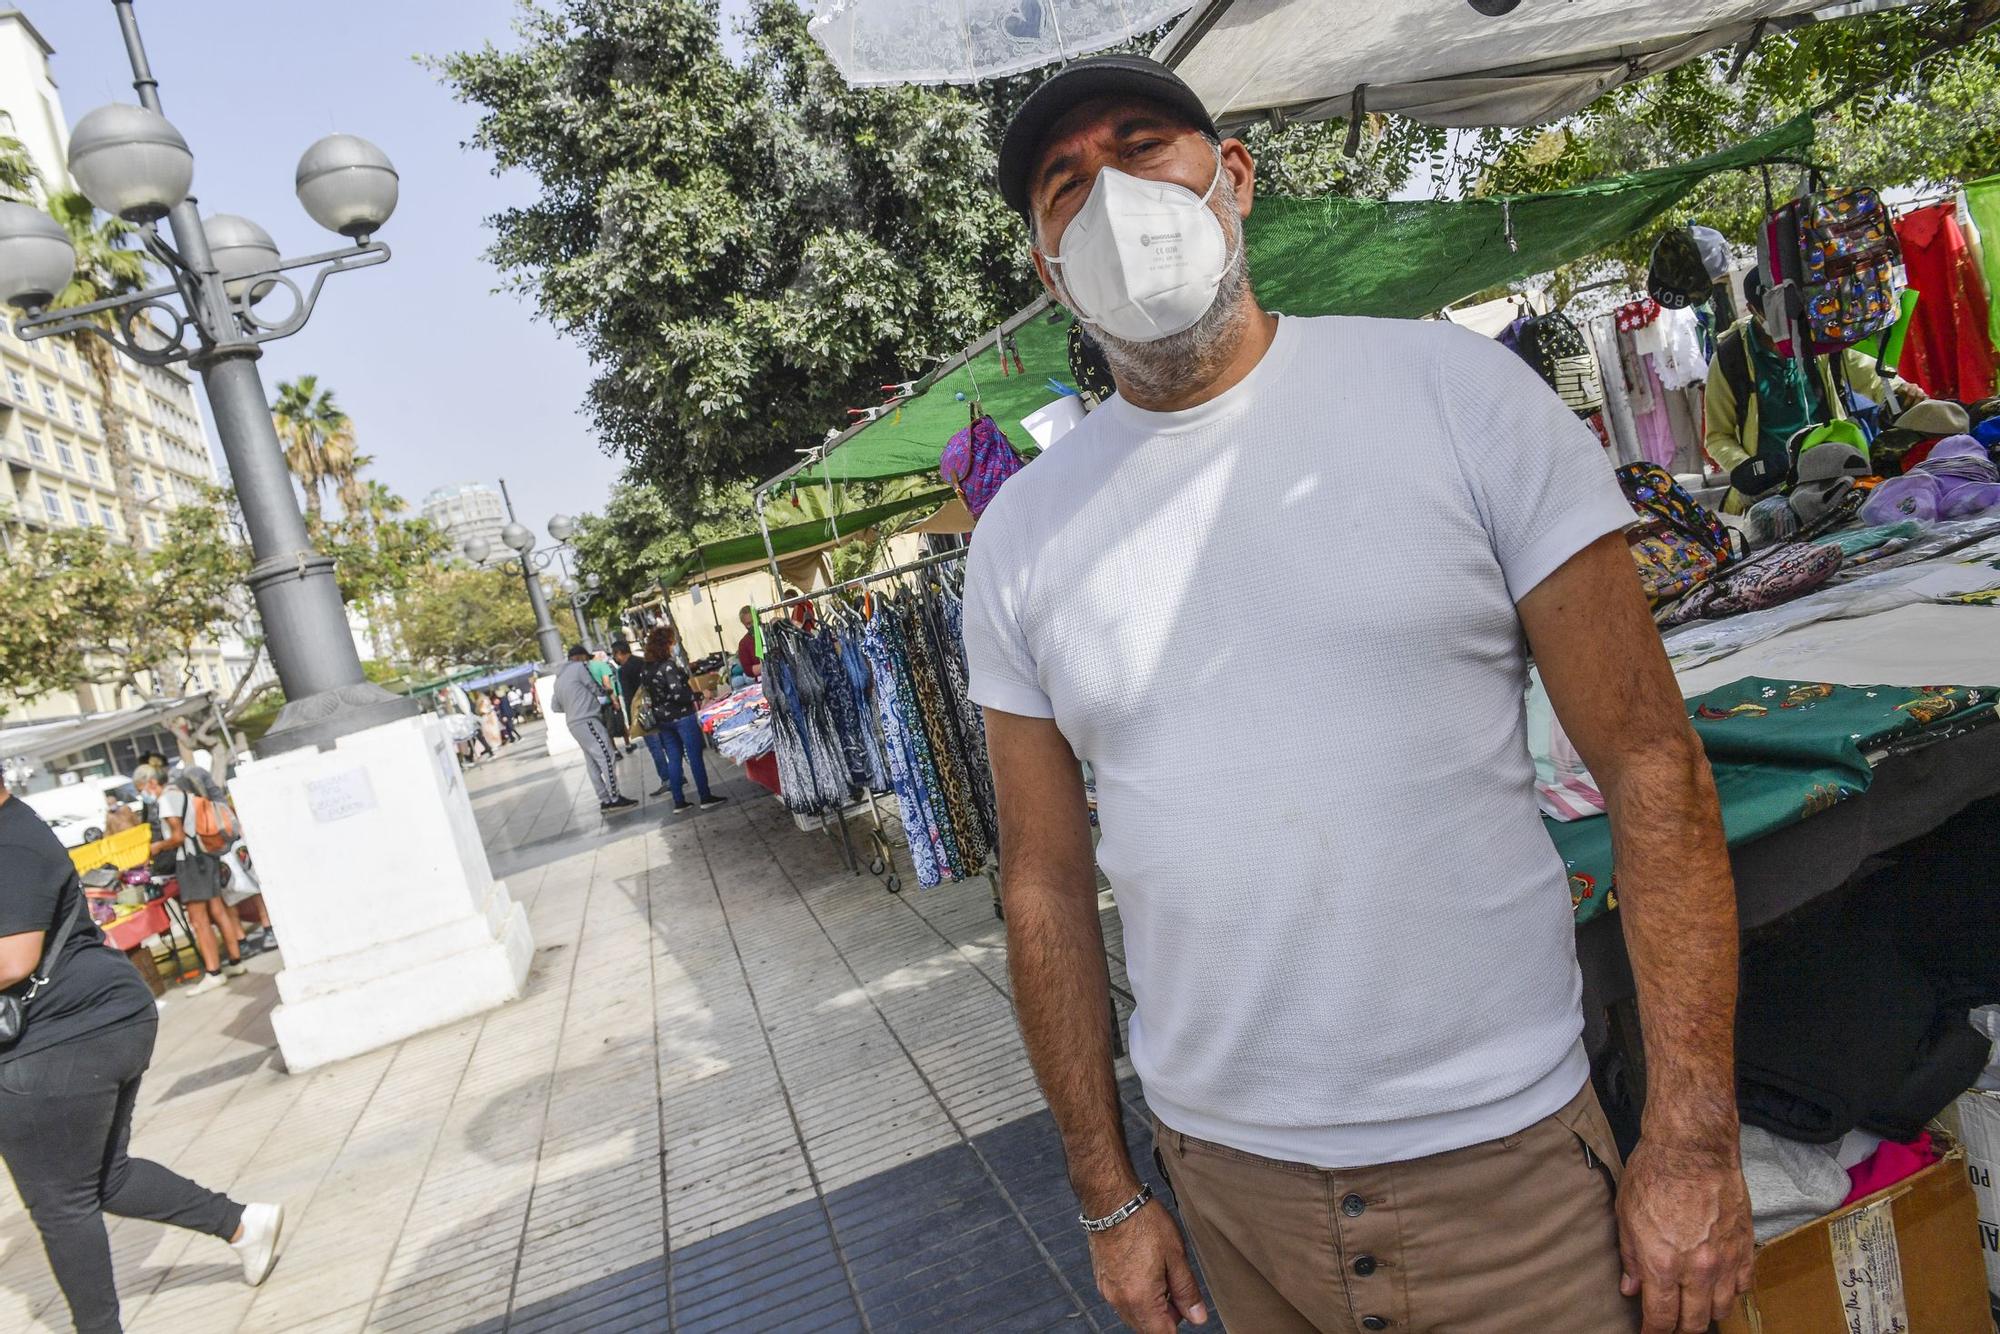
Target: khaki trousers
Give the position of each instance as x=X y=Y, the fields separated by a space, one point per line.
x=1506 y=1237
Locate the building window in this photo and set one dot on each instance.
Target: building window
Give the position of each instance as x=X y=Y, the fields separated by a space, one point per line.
x=90 y=466
x=49 y=401
x=146 y=443
x=62 y=357
x=104 y=518
x=34 y=438
x=76 y=412
x=81 y=510
x=52 y=505
x=19 y=384
x=65 y=457
x=152 y=530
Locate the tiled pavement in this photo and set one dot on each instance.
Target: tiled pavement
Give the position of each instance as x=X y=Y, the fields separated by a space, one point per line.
x=746 y=1090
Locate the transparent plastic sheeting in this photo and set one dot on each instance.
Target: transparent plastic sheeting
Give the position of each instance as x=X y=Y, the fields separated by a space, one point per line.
x=1442 y=61
x=875 y=42
x=1955 y=559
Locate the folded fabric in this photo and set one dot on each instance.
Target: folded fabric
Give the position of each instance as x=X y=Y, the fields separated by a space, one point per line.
x=1857 y=540
x=1948 y=1062
x=1829 y=1023
x=1884 y=1168
x=1790 y=1183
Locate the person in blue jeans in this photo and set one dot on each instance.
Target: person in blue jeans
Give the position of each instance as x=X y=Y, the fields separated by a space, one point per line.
x=676 y=731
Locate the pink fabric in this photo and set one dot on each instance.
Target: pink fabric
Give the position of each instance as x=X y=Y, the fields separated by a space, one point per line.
x=1888 y=1165
x=1655 y=426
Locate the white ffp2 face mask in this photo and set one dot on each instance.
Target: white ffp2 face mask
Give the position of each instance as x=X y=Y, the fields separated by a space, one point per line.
x=1142 y=260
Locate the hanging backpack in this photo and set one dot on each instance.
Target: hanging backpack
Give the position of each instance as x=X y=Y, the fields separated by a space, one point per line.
x=211 y=823
x=1839 y=248
x=1678 y=545
x=977 y=461
x=1554 y=346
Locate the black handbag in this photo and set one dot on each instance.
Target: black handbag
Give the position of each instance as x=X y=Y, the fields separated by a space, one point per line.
x=14 y=1009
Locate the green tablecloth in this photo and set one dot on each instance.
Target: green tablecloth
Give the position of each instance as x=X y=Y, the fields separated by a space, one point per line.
x=1781 y=751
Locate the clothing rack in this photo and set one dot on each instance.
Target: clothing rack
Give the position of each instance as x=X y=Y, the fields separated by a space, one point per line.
x=921 y=563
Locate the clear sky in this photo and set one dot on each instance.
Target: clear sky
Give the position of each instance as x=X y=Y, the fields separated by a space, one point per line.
x=447 y=381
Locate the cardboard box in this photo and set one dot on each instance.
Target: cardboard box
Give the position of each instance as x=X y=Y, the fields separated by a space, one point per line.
x=1905 y=1260
x=1977 y=1117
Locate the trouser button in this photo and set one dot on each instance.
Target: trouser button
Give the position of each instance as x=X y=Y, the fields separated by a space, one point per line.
x=1364 y=1265
x=1374 y=1322
x=1353 y=1205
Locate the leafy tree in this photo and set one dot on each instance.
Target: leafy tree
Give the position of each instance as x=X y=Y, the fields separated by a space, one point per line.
x=79 y=608
x=1905 y=99
x=106 y=266
x=318 y=440
x=745 y=251
x=451 y=616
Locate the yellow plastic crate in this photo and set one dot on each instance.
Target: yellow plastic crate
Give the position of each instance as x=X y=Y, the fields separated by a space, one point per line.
x=123 y=851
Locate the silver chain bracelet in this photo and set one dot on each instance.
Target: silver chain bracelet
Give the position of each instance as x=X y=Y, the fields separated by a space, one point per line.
x=1118 y=1215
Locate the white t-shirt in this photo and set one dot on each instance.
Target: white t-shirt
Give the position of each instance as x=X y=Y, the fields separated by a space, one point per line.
x=1280 y=627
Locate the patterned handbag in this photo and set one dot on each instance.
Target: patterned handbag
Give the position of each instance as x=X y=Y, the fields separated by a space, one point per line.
x=1769 y=580
x=977 y=461
x=1679 y=545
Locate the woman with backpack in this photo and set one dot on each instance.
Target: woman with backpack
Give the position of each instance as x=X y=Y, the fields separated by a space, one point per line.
x=199 y=873
x=676 y=730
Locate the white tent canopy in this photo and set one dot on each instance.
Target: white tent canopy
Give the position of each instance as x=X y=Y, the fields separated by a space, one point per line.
x=876 y=42
x=1441 y=61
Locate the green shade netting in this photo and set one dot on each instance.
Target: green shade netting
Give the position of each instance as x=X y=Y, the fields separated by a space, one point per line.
x=796 y=537
x=1327 y=257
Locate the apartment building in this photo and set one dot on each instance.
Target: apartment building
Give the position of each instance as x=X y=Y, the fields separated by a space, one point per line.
x=53 y=459
x=470 y=510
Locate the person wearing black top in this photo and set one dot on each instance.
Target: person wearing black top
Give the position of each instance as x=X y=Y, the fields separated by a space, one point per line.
x=676 y=729
x=69 y=1083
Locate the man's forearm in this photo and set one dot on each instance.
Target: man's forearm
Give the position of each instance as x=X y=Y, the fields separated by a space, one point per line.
x=1055 y=955
x=1677 y=901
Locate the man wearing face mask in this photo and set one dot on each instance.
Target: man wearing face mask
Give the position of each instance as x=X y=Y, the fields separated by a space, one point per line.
x=1361 y=1040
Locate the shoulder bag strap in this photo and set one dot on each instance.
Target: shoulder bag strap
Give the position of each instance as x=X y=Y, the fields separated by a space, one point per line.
x=52 y=947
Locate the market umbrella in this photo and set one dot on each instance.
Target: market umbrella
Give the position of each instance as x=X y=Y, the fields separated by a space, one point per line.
x=964 y=41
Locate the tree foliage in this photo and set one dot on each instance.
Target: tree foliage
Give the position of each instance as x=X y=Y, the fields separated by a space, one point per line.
x=80 y=608
x=318 y=439
x=452 y=616
x=744 y=250
x=1906 y=99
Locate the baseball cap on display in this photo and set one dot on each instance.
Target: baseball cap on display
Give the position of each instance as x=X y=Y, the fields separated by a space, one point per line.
x=1079 y=82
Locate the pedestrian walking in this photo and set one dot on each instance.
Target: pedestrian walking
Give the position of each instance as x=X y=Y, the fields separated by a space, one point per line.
x=503 y=708
x=676 y=734
x=70 y=1079
x=1361 y=1041
x=218 y=936
x=579 y=699
x=489 y=724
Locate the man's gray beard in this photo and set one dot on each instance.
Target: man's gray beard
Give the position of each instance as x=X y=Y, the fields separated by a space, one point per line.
x=1167 y=366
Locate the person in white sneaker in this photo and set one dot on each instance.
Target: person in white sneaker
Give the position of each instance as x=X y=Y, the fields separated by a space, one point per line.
x=69 y=1079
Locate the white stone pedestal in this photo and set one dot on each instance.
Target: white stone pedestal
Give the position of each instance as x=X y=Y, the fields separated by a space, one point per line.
x=562 y=746
x=388 y=915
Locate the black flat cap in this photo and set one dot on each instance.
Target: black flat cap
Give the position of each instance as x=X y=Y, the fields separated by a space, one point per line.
x=1079 y=81
x=578 y=651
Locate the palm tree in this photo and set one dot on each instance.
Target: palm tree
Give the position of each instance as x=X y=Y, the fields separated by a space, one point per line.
x=318 y=439
x=105 y=267
x=18 y=176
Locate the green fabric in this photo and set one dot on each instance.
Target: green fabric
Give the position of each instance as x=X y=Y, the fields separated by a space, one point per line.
x=1781 y=751
x=1403 y=258
x=794 y=537
x=1982 y=201
x=1785 y=401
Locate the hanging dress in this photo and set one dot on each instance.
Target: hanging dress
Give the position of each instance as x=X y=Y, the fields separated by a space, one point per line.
x=1949 y=351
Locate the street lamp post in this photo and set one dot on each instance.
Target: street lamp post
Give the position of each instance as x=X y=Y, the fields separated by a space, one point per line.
x=367 y=848
x=521 y=541
x=130 y=161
